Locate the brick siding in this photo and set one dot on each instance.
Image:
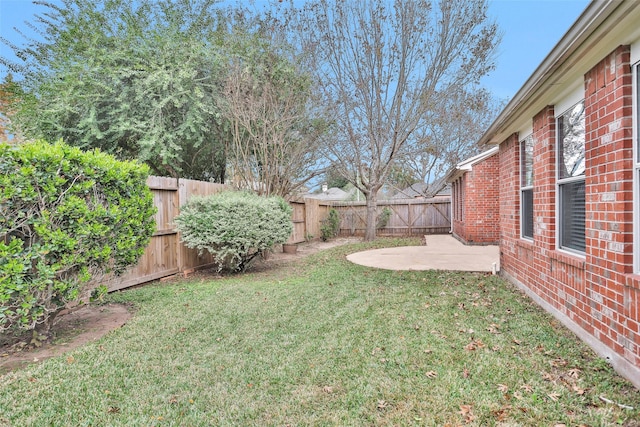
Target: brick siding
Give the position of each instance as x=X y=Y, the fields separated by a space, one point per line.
x=479 y=189
x=597 y=291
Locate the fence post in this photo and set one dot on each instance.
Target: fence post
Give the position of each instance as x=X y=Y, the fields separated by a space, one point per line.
x=409 y=209
x=182 y=199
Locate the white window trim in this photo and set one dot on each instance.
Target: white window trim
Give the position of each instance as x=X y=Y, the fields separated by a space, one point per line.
x=523 y=188
x=559 y=182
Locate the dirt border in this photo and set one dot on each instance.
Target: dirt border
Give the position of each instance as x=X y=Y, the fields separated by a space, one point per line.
x=70 y=331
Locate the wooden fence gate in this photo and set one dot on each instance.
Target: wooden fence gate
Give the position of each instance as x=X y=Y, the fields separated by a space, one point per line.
x=307 y=219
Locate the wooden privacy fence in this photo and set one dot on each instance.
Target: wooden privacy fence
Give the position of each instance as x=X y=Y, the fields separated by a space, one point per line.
x=307 y=218
x=165 y=255
x=409 y=217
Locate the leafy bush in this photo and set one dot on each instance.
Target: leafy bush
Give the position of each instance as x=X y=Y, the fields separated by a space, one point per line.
x=331 y=226
x=383 y=218
x=66 y=216
x=234 y=226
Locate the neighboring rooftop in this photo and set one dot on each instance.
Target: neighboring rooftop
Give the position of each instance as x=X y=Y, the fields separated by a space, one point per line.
x=437 y=188
x=331 y=194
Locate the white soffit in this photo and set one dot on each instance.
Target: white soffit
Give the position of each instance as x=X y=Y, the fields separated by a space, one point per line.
x=467 y=165
x=602 y=27
x=525 y=131
x=568 y=99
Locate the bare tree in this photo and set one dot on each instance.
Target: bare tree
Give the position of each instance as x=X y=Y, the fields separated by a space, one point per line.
x=9 y=97
x=382 y=67
x=450 y=136
x=275 y=140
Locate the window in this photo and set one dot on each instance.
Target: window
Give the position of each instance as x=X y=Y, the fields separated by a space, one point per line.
x=454 y=200
x=571 y=167
x=526 y=187
x=458 y=196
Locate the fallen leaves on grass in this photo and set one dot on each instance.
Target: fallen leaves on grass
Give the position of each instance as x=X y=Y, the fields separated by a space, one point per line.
x=327 y=389
x=556 y=363
x=527 y=388
x=503 y=388
x=377 y=350
x=579 y=391
x=494 y=328
x=502 y=413
x=474 y=344
x=574 y=373
x=554 y=396
x=467 y=413
x=382 y=405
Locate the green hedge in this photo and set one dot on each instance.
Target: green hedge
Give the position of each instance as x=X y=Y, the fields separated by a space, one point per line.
x=66 y=216
x=234 y=226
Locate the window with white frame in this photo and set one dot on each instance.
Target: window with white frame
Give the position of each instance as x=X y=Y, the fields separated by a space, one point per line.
x=526 y=187
x=571 y=167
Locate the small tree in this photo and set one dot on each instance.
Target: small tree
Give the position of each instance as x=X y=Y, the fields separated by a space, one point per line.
x=274 y=149
x=330 y=226
x=66 y=217
x=234 y=227
x=451 y=135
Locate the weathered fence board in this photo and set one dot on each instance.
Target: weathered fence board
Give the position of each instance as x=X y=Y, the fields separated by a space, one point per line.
x=165 y=255
x=298 y=217
x=409 y=217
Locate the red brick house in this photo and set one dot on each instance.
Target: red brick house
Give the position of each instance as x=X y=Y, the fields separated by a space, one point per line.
x=569 y=183
x=475 y=210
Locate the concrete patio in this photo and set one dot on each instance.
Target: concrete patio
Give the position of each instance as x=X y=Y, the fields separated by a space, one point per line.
x=441 y=252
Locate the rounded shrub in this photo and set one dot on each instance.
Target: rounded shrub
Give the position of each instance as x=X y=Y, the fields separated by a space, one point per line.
x=234 y=226
x=66 y=217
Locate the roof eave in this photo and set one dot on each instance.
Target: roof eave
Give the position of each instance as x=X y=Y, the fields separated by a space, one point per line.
x=529 y=97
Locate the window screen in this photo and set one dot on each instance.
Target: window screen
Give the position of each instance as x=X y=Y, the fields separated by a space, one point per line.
x=571 y=168
x=526 y=187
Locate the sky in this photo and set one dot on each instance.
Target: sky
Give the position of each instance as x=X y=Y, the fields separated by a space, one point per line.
x=531 y=28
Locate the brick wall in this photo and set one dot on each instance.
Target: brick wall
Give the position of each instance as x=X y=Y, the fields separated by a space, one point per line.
x=611 y=290
x=479 y=188
x=509 y=176
x=597 y=292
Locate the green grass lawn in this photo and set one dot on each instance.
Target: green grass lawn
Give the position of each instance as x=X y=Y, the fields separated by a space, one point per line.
x=326 y=342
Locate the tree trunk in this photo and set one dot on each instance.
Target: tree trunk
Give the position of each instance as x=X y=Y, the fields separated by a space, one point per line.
x=372 y=204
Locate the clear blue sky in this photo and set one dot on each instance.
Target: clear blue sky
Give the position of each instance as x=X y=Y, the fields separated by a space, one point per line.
x=531 y=29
